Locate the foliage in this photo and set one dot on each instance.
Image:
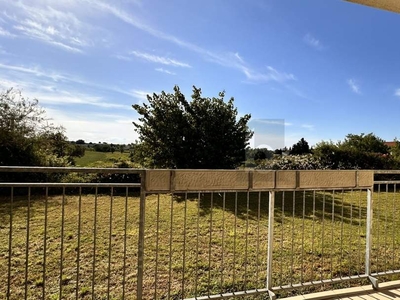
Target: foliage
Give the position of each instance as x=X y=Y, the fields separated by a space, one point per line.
x=301 y=147
x=26 y=136
x=202 y=133
x=292 y=162
x=365 y=143
x=258 y=153
x=356 y=152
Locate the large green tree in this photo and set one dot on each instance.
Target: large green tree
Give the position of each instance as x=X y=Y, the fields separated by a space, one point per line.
x=27 y=137
x=201 y=133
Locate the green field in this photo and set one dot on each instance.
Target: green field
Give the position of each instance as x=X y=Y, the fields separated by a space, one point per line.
x=92 y=157
x=208 y=244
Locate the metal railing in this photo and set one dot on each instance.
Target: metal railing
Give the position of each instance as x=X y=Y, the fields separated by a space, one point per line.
x=117 y=239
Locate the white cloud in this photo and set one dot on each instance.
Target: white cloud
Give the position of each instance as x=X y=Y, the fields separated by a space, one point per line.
x=140 y=95
x=271 y=75
x=122 y=57
x=160 y=59
x=313 y=42
x=52 y=23
x=271 y=121
x=353 y=84
x=308 y=126
x=231 y=60
x=165 y=71
x=397 y=92
x=6 y=33
x=95 y=127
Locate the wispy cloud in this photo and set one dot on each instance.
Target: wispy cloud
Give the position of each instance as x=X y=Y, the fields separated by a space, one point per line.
x=165 y=71
x=397 y=92
x=230 y=60
x=140 y=95
x=313 y=42
x=160 y=59
x=272 y=122
x=308 y=126
x=6 y=33
x=58 y=27
x=122 y=57
x=270 y=75
x=55 y=88
x=353 y=84
x=95 y=127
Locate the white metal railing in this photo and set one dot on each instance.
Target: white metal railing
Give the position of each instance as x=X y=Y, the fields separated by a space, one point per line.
x=121 y=240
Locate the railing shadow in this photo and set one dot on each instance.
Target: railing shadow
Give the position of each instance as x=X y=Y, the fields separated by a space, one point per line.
x=343 y=206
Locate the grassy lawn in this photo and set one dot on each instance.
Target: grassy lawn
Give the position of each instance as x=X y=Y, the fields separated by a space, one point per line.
x=206 y=243
x=91 y=157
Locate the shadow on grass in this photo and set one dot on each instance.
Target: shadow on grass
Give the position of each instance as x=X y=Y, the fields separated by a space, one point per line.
x=344 y=207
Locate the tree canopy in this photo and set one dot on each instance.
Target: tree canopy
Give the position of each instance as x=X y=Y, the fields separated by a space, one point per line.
x=201 y=133
x=301 y=147
x=27 y=138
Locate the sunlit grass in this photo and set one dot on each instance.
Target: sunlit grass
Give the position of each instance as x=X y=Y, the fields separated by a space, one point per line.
x=208 y=244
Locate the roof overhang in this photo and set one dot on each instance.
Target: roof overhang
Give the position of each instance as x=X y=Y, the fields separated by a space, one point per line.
x=391 y=5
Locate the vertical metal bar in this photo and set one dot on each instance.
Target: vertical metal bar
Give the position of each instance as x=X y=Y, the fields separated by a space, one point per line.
x=332 y=230
x=368 y=233
x=351 y=226
x=270 y=250
x=378 y=226
x=292 y=242
x=170 y=246
x=234 y=242
x=322 y=235
x=46 y=199
x=393 y=224
x=385 y=228
x=141 y=236
x=258 y=235
x=110 y=244
x=157 y=245
x=10 y=244
x=184 y=247
x=223 y=242
x=209 y=243
x=94 y=242
x=281 y=246
x=62 y=243
x=359 y=232
x=125 y=236
x=27 y=242
x=313 y=238
x=302 y=238
x=79 y=243
x=247 y=241
x=341 y=236
x=197 y=244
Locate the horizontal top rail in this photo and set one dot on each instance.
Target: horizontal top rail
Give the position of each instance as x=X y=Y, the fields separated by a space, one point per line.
x=245 y=180
x=66 y=184
x=18 y=169
x=386 y=171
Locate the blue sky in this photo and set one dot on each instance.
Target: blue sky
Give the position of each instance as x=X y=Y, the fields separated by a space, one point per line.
x=327 y=68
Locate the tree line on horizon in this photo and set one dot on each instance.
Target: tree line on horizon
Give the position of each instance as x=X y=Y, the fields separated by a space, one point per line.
x=174 y=132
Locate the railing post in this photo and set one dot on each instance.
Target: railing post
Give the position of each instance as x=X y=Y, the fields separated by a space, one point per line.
x=141 y=235
x=271 y=213
x=368 y=243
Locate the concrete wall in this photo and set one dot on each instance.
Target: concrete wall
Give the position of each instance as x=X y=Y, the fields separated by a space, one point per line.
x=225 y=180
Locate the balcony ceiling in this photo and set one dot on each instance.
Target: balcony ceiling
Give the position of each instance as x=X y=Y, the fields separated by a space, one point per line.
x=391 y=5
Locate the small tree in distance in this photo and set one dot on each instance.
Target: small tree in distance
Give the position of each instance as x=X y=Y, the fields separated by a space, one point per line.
x=301 y=147
x=203 y=133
